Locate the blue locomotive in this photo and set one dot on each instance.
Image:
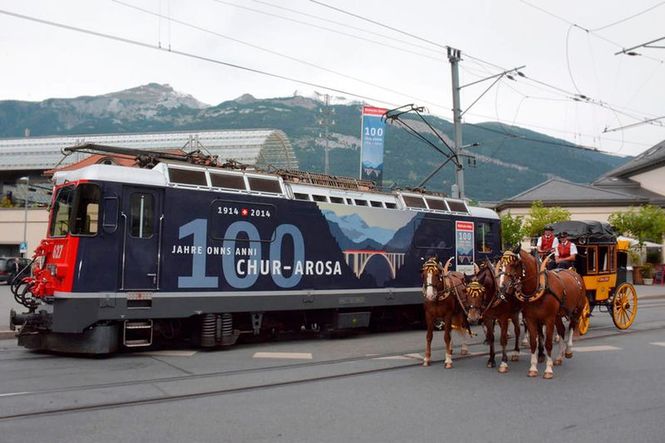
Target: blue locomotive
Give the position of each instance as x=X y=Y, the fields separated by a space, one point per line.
x=183 y=250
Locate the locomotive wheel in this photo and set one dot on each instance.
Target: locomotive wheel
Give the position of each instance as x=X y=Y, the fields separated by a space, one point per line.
x=583 y=325
x=624 y=306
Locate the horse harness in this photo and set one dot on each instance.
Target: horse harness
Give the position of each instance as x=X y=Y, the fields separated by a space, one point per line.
x=543 y=288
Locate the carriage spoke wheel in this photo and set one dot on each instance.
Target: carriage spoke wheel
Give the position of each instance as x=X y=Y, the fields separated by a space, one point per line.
x=624 y=306
x=583 y=325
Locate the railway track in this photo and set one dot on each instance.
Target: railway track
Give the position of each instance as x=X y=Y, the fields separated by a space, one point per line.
x=330 y=364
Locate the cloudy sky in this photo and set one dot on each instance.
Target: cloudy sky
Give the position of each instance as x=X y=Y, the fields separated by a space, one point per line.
x=575 y=87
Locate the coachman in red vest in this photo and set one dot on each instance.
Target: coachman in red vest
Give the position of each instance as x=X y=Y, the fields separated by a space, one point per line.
x=566 y=252
x=547 y=243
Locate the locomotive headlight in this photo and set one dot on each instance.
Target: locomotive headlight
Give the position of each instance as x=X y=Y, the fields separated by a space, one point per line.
x=52 y=268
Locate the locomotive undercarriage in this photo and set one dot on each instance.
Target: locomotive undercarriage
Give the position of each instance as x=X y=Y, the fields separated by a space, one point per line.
x=210 y=330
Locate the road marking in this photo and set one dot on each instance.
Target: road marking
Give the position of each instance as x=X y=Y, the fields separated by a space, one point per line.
x=286 y=355
x=598 y=348
x=11 y=394
x=167 y=353
x=658 y=343
x=394 y=357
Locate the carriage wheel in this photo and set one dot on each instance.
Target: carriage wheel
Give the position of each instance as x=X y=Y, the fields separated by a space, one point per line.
x=624 y=306
x=583 y=325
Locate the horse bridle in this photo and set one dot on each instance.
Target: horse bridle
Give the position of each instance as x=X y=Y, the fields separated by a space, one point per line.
x=510 y=257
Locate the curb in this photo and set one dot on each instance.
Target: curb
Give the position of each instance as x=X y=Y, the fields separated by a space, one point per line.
x=7 y=335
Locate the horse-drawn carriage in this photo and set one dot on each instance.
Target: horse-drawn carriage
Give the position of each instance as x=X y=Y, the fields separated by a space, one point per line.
x=601 y=261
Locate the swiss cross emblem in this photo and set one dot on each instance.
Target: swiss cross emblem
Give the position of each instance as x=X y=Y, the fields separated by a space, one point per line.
x=244 y=212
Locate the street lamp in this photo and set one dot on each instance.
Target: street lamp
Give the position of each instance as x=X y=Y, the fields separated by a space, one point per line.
x=25 y=214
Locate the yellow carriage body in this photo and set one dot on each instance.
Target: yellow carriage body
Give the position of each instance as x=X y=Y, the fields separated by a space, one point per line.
x=601 y=262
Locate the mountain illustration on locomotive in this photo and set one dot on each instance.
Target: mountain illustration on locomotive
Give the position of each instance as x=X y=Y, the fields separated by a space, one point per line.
x=184 y=249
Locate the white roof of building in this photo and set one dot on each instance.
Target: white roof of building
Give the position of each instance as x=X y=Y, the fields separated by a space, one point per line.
x=261 y=147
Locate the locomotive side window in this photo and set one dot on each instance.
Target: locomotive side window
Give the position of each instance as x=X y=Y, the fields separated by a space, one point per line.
x=141 y=215
x=86 y=210
x=457 y=205
x=229 y=181
x=413 y=202
x=264 y=185
x=338 y=200
x=62 y=210
x=484 y=237
x=188 y=177
x=435 y=203
x=434 y=234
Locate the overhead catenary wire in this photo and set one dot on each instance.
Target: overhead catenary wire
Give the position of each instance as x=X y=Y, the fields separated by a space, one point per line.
x=273 y=52
x=623 y=20
x=576 y=96
x=336 y=31
x=191 y=55
x=346 y=25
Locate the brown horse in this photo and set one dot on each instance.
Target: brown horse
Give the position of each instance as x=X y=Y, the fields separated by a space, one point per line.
x=483 y=302
x=441 y=291
x=547 y=296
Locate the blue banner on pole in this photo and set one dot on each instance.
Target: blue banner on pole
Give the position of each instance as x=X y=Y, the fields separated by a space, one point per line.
x=372 y=137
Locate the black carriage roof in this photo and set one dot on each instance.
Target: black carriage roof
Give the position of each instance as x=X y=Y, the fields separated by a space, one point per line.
x=589 y=231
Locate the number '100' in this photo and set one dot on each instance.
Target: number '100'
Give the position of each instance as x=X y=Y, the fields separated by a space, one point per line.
x=198 y=228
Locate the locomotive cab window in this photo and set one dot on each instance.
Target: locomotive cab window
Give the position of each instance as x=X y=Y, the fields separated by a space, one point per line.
x=141 y=215
x=61 y=212
x=86 y=210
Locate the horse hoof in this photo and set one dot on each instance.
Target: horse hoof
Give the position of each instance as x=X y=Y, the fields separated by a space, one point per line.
x=541 y=359
x=491 y=364
x=569 y=354
x=464 y=352
x=448 y=365
x=503 y=369
x=533 y=374
x=548 y=375
x=558 y=362
x=426 y=363
x=515 y=357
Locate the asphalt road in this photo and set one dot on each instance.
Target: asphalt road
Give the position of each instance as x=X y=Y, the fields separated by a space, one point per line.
x=369 y=388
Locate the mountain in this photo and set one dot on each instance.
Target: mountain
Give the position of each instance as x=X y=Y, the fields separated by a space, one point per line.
x=355 y=228
x=509 y=159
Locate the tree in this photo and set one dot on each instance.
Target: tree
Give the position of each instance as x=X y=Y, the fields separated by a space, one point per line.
x=646 y=224
x=511 y=230
x=540 y=216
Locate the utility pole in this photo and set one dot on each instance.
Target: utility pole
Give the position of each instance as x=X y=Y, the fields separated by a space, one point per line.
x=326 y=121
x=454 y=56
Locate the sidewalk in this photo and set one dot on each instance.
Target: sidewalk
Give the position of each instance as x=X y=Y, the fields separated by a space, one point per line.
x=7 y=303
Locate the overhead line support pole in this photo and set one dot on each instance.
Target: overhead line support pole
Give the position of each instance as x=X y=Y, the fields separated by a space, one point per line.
x=454 y=57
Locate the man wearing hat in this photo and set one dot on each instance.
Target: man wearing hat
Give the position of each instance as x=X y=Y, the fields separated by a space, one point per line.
x=566 y=252
x=547 y=243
